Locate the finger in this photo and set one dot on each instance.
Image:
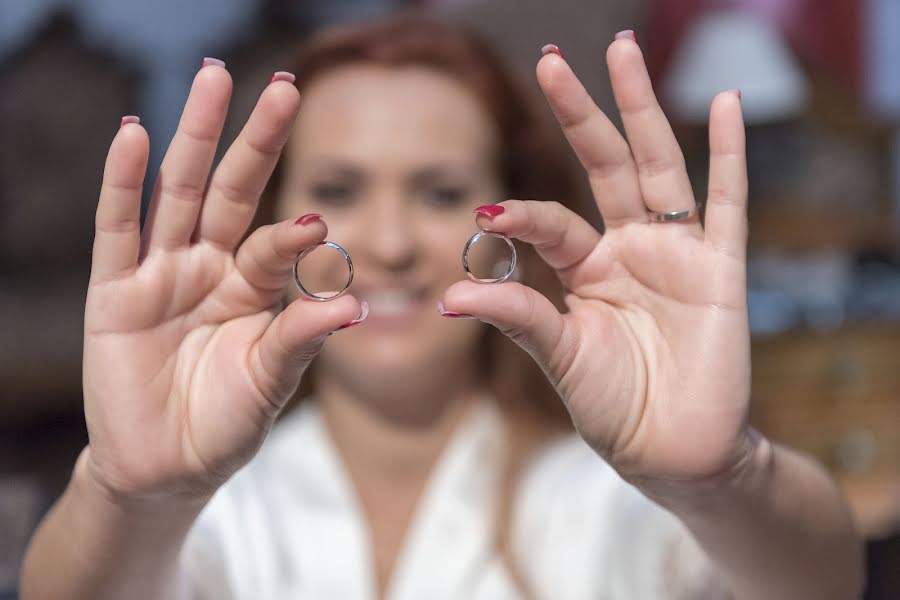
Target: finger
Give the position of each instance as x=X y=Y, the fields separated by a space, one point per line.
x=521 y=313
x=117 y=238
x=600 y=147
x=181 y=183
x=561 y=237
x=239 y=179
x=293 y=339
x=663 y=176
x=726 y=205
x=266 y=259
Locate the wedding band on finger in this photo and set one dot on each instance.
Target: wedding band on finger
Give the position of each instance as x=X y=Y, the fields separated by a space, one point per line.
x=308 y=293
x=672 y=216
x=512 y=257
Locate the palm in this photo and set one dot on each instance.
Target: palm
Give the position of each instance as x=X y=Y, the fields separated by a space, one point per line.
x=179 y=370
x=188 y=356
x=679 y=309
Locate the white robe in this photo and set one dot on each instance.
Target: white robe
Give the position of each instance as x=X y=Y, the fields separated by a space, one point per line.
x=288 y=525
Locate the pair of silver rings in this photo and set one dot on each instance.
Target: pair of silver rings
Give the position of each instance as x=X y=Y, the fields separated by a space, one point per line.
x=465 y=262
x=660 y=217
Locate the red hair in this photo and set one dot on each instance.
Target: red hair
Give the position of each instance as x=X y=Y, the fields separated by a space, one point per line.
x=530 y=163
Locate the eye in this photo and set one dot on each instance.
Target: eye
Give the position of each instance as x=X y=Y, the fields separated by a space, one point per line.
x=446 y=196
x=332 y=193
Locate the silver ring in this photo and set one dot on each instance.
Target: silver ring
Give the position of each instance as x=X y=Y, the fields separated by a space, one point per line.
x=512 y=259
x=675 y=215
x=299 y=283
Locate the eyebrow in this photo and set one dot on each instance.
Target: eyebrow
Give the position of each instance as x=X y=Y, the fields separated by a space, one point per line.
x=430 y=173
x=331 y=164
x=420 y=175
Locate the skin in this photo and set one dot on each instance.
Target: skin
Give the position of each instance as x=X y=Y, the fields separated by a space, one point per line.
x=651 y=359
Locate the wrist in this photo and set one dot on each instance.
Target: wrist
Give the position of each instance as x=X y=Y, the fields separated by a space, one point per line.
x=749 y=475
x=97 y=544
x=89 y=484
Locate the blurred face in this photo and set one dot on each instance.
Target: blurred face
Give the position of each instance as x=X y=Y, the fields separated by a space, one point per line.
x=395 y=160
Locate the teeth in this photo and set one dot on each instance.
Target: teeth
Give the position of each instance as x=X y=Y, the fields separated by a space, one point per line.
x=391 y=302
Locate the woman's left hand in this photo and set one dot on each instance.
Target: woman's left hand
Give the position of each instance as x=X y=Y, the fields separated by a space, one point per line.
x=652 y=358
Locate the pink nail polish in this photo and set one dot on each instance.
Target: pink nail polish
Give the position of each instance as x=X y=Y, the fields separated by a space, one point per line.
x=554 y=49
x=364 y=312
x=209 y=62
x=308 y=218
x=129 y=119
x=282 y=76
x=628 y=34
x=490 y=210
x=452 y=315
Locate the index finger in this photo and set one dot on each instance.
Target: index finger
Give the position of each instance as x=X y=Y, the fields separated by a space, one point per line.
x=562 y=238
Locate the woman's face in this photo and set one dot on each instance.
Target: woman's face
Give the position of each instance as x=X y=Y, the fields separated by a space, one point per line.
x=395 y=160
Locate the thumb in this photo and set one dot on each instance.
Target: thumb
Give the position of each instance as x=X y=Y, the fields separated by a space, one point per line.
x=294 y=338
x=521 y=313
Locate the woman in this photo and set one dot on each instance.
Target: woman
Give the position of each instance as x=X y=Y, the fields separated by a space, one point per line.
x=417 y=470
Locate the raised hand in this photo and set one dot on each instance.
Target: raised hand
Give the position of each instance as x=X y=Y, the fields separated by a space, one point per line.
x=188 y=356
x=652 y=358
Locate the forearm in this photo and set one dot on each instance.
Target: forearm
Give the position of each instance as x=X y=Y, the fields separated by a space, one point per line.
x=780 y=530
x=91 y=547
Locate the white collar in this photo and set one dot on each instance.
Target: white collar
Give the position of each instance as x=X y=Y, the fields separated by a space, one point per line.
x=449 y=544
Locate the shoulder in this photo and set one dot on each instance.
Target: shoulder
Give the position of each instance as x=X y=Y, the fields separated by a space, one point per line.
x=581 y=531
x=566 y=474
x=567 y=491
x=237 y=543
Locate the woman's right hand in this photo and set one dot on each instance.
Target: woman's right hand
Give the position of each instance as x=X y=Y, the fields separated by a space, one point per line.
x=188 y=356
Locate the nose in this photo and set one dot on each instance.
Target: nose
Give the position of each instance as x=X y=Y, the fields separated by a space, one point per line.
x=389 y=236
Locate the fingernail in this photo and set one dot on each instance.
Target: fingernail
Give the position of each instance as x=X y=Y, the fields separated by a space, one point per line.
x=737 y=93
x=364 y=312
x=308 y=218
x=282 y=76
x=628 y=34
x=129 y=119
x=209 y=62
x=490 y=210
x=452 y=315
x=554 y=49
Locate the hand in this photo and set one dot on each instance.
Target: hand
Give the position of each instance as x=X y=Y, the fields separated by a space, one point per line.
x=188 y=356
x=652 y=359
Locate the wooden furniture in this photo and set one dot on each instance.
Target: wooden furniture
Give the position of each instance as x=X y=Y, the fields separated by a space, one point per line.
x=836 y=396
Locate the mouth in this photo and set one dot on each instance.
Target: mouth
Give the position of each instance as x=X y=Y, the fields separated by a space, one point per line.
x=393 y=305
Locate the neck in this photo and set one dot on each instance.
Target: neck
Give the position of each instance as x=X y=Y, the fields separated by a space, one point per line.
x=394 y=438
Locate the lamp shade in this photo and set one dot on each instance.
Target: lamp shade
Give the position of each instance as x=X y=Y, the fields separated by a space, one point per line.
x=730 y=49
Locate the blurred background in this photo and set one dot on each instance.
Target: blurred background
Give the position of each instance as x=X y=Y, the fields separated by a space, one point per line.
x=821 y=89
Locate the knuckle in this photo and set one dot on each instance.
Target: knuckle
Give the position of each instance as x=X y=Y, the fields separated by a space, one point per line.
x=229 y=191
x=268 y=146
x=113 y=227
x=612 y=164
x=183 y=191
x=656 y=166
